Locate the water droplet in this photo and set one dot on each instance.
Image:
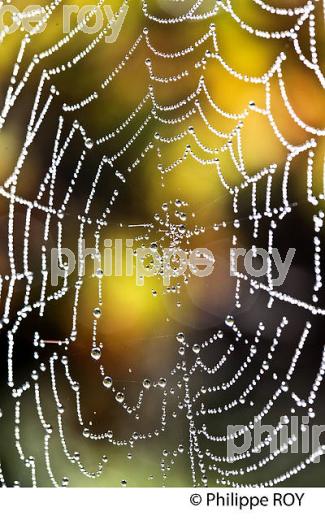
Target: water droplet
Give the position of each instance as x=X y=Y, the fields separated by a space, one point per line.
x=162 y=382
x=146 y=383
x=96 y=353
x=284 y=386
x=34 y=375
x=120 y=397
x=182 y=229
x=65 y=481
x=229 y=321
x=180 y=337
x=196 y=348
x=97 y=312
x=89 y=144
x=107 y=382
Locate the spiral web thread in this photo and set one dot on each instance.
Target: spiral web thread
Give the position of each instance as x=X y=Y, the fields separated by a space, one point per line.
x=206 y=465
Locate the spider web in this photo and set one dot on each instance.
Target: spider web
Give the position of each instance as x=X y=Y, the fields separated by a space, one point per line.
x=254 y=353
